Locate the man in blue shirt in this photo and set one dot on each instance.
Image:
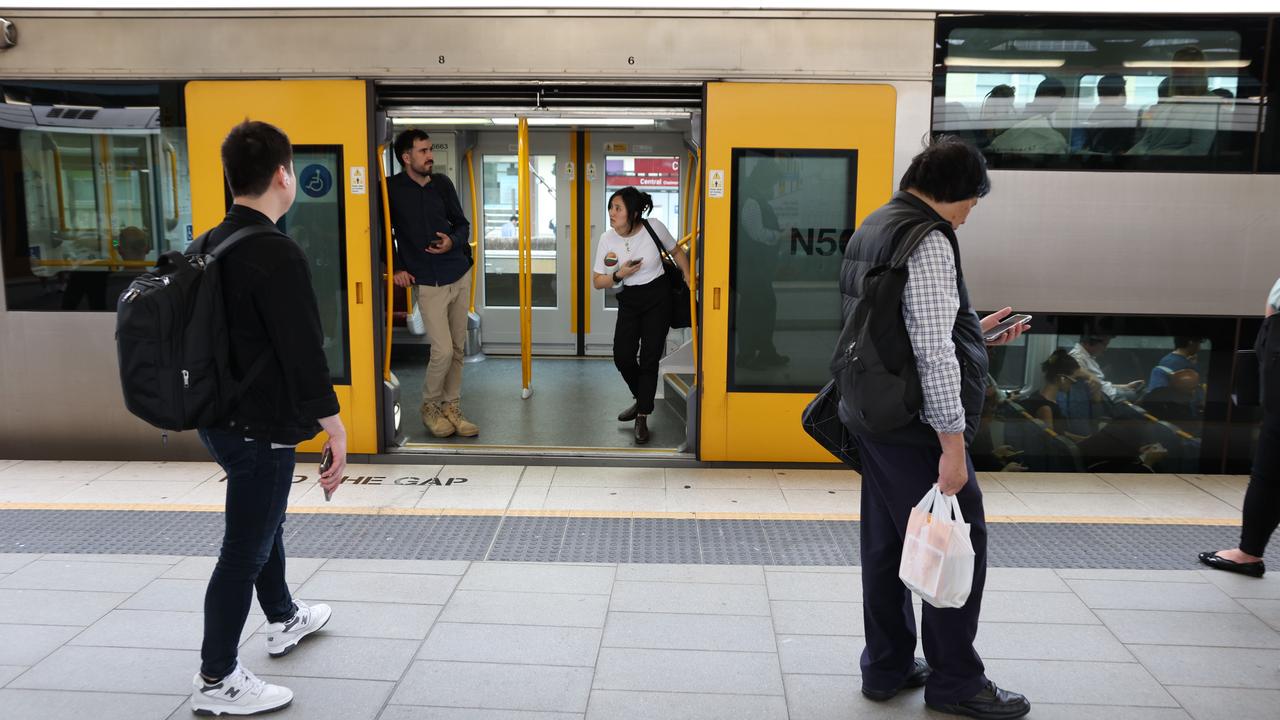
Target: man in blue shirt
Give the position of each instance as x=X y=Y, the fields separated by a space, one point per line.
x=1183 y=357
x=432 y=253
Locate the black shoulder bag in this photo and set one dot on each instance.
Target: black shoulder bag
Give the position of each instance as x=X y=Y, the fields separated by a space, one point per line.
x=681 y=313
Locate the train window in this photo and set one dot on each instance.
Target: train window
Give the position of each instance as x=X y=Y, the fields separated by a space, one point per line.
x=1061 y=92
x=317 y=223
x=791 y=214
x=94 y=187
x=1114 y=394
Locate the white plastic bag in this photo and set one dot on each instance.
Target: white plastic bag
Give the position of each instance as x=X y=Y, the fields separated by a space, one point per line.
x=413 y=319
x=937 y=555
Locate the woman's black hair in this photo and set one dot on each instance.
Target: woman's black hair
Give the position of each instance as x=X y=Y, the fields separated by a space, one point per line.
x=1060 y=362
x=637 y=203
x=948 y=170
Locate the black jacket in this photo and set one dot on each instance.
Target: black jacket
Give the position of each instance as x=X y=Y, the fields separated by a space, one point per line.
x=418 y=212
x=271 y=312
x=873 y=244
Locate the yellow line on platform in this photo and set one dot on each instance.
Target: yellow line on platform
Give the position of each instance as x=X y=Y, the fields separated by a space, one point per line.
x=427 y=512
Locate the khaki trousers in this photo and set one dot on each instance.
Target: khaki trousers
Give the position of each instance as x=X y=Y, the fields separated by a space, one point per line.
x=444 y=313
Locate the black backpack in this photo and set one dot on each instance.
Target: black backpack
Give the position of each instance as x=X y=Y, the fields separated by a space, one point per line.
x=172 y=340
x=874 y=368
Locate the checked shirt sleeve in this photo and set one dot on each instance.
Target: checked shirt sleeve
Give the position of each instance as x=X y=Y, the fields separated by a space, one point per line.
x=930 y=302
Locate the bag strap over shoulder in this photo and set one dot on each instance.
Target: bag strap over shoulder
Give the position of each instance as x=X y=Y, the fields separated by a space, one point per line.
x=912 y=240
x=662 y=251
x=200 y=243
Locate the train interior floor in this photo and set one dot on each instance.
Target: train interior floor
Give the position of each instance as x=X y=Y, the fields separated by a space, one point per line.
x=575 y=404
x=554 y=593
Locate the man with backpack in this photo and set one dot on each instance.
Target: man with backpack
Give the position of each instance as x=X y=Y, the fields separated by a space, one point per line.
x=912 y=368
x=273 y=327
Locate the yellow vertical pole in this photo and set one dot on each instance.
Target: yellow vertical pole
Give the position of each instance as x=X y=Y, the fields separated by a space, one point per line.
x=476 y=227
x=685 y=207
x=583 y=162
x=391 y=286
x=524 y=203
x=693 y=258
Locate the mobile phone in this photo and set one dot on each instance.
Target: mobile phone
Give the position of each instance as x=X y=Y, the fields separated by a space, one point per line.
x=634 y=262
x=326 y=462
x=1005 y=325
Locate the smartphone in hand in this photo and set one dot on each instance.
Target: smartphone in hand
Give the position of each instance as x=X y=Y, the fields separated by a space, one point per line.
x=633 y=262
x=1005 y=325
x=326 y=462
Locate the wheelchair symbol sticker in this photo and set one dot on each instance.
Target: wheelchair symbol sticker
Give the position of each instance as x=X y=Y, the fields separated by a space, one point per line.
x=315 y=180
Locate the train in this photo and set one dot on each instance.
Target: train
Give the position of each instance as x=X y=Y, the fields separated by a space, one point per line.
x=1134 y=161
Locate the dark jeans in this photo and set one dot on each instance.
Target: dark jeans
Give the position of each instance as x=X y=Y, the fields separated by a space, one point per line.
x=644 y=315
x=894 y=478
x=252 y=555
x=1262 y=499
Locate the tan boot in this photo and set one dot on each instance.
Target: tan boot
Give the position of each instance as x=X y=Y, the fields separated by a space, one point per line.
x=453 y=412
x=435 y=420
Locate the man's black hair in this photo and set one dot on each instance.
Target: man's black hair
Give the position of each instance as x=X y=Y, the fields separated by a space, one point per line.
x=1111 y=86
x=251 y=154
x=948 y=170
x=1051 y=87
x=406 y=139
x=1181 y=341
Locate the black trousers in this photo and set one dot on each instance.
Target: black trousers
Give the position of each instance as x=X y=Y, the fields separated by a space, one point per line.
x=894 y=478
x=252 y=555
x=757 y=307
x=1262 y=499
x=644 y=316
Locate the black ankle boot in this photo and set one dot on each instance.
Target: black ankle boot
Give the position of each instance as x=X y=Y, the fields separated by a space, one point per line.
x=642 y=429
x=628 y=415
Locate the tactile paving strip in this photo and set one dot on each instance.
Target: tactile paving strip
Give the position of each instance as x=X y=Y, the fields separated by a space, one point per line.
x=605 y=540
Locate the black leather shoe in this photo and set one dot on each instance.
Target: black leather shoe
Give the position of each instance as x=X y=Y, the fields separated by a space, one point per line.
x=628 y=415
x=642 y=429
x=920 y=672
x=1217 y=562
x=990 y=704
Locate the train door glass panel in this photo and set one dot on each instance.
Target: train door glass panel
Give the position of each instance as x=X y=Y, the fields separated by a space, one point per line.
x=792 y=213
x=317 y=224
x=497 y=297
x=94 y=187
x=499 y=228
x=658 y=175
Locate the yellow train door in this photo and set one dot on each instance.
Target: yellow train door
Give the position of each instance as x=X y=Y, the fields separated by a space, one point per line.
x=791 y=169
x=327 y=122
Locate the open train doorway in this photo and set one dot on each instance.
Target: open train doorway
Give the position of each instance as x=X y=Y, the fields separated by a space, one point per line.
x=539 y=376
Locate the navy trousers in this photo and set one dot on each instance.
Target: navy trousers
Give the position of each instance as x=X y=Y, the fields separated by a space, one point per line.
x=894 y=478
x=252 y=554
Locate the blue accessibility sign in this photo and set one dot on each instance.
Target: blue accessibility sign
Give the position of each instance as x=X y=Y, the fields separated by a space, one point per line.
x=315 y=180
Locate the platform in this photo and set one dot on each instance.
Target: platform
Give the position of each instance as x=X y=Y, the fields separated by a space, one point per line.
x=549 y=593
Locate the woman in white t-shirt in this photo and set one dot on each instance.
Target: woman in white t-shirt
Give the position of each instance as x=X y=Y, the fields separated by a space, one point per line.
x=628 y=256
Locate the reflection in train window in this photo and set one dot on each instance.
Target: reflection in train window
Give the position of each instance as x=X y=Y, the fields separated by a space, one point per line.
x=317 y=223
x=1108 y=395
x=791 y=215
x=1103 y=93
x=94 y=187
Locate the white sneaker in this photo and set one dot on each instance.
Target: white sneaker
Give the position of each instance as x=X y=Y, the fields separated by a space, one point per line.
x=240 y=693
x=283 y=637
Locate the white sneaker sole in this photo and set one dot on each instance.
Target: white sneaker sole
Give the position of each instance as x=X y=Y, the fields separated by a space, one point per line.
x=281 y=652
x=219 y=709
